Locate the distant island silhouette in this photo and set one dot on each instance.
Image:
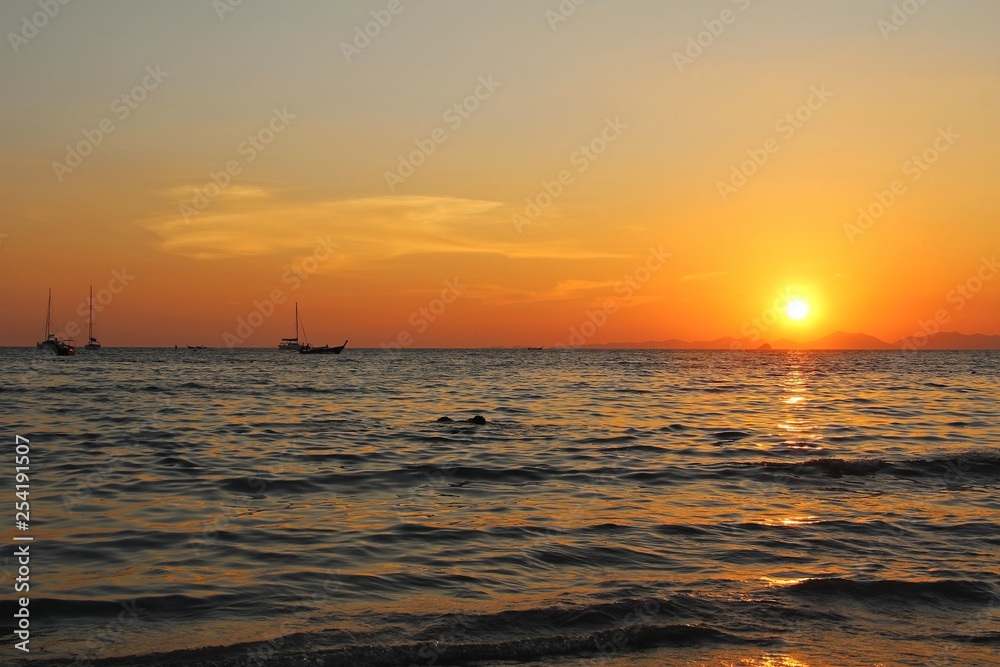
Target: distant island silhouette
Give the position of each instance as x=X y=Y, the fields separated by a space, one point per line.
x=840 y=340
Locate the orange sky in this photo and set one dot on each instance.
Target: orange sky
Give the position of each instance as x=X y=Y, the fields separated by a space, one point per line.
x=614 y=119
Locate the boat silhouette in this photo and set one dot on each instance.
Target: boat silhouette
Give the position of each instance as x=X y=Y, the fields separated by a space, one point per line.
x=62 y=348
x=92 y=343
x=326 y=349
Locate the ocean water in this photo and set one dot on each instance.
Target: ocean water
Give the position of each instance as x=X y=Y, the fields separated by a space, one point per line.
x=616 y=508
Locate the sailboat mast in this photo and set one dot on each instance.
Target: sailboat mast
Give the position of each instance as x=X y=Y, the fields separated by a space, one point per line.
x=48 y=316
x=91 y=327
x=296 y=321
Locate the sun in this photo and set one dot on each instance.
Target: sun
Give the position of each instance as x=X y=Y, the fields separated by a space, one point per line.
x=797 y=309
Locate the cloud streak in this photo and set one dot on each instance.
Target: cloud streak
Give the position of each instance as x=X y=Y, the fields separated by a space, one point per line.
x=253 y=222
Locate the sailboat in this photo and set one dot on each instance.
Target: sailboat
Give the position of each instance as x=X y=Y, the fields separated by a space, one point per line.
x=292 y=344
x=326 y=349
x=93 y=343
x=51 y=343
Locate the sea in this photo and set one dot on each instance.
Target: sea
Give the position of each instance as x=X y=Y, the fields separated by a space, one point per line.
x=259 y=507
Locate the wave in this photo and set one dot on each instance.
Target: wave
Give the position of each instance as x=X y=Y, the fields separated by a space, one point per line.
x=610 y=629
x=926 y=592
x=970 y=464
x=277 y=653
x=974 y=468
x=603 y=629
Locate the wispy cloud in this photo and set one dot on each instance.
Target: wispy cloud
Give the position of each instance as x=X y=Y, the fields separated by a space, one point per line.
x=563 y=290
x=252 y=221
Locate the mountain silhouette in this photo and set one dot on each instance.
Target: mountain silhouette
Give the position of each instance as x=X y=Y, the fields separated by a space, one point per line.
x=840 y=340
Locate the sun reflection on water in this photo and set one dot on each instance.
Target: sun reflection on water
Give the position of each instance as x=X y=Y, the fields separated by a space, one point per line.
x=766 y=661
x=790 y=521
x=795 y=401
x=777 y=582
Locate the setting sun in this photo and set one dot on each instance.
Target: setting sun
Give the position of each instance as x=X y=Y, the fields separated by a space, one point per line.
x=797 y=309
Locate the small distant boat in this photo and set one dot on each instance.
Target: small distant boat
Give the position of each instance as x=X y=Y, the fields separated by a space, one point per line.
x=93 y=343
x=292 y=344
x=326 y=349
x=63 y=348
x=197 y=347
x=536 y=348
